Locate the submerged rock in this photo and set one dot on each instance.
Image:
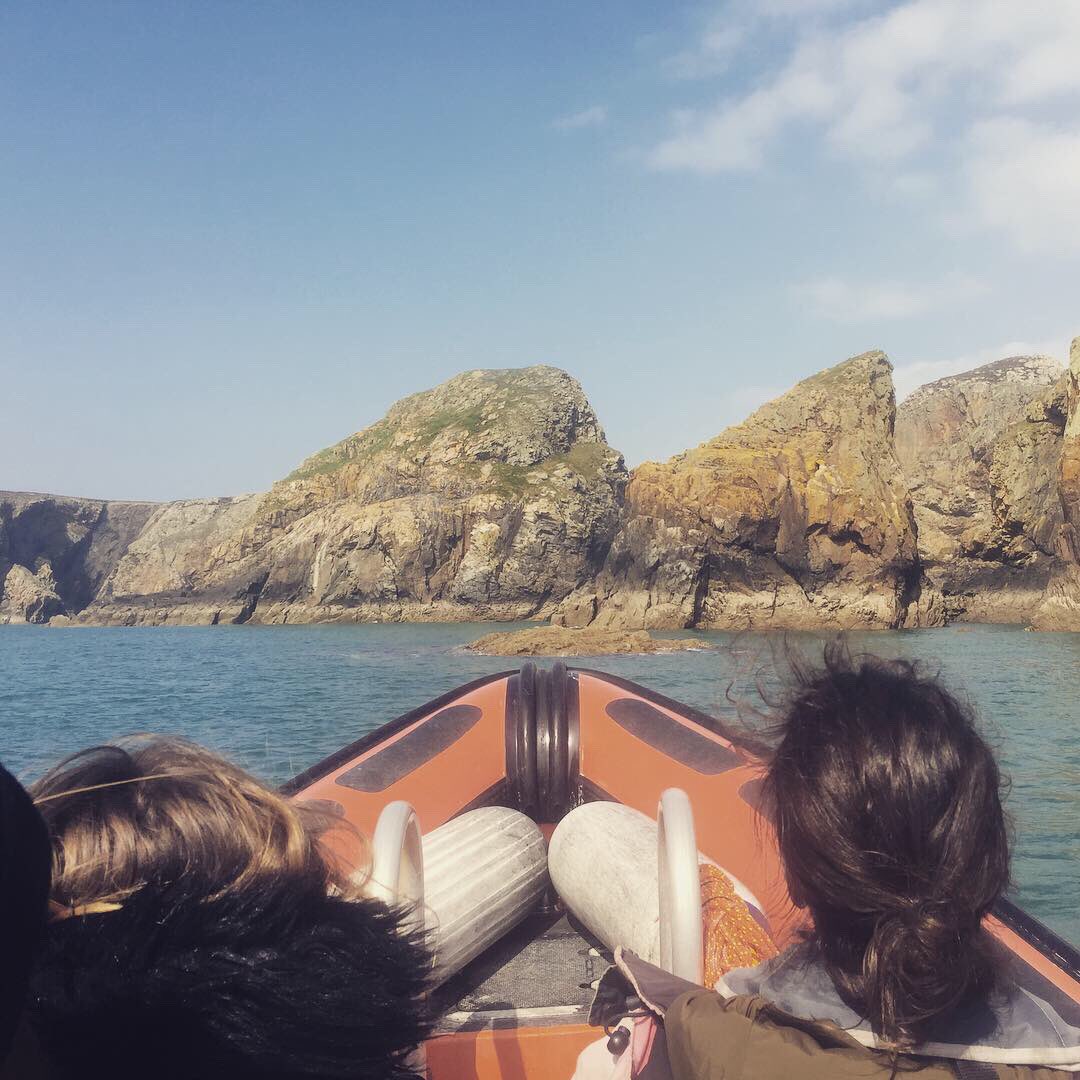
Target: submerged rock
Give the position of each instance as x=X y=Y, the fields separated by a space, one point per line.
x=798 y=517
x=588 y=641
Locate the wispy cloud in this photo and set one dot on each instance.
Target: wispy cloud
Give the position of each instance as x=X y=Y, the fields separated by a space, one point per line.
x=710 y=54
x=844 y=301
x=909 y=377
x=1023 y=179
x=592 y=117
x=979 y=96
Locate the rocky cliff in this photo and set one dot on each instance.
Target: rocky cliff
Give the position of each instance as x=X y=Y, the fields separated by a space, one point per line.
x=1060 y=607
x=496 y=496
x=492 y=496
x=798 y=517
x=981 y=454
x=55 y=552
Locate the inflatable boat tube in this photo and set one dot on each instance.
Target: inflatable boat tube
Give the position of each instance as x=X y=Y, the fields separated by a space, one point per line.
x=397 y=862
x=484 y=872
x=604 y=862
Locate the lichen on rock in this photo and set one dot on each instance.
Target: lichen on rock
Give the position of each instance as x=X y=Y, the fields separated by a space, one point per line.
x=980 y=452
x=797 y=517
x=495 y=496
x=492 y=496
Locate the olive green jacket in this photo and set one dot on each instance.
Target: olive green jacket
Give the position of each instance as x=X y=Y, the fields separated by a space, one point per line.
x=747 y=1038
x=706 y=1036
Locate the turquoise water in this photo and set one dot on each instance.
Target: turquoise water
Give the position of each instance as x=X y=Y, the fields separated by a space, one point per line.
x=279 y=698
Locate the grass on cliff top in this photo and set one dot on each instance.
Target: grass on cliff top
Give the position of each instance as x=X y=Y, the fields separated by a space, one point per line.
x=380 y=437
x=586 y=459
x=520 y=402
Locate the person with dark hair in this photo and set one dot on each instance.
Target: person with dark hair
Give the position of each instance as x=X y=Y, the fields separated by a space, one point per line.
x=887 y=807
x=25 y=857
x=201 y=928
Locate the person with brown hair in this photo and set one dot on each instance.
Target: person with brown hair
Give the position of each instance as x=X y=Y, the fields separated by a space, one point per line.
x=887 y=807
x=888 y=816
x=201 y=927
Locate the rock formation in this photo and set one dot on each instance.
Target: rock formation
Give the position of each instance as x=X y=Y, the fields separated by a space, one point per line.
x=1060 y=609
x=798 y=517
x=981 y=452
x=496 y=496
x=55 y=552
x=587 y=641
x=492 y=496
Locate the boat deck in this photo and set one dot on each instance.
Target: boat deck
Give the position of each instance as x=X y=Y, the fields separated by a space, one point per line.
x=545 y=970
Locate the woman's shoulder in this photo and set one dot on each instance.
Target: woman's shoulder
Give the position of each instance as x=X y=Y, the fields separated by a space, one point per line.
x=798 y=983
x=709 y=1036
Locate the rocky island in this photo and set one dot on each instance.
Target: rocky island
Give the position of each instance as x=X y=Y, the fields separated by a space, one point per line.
x=585 y=641
x=497 y=497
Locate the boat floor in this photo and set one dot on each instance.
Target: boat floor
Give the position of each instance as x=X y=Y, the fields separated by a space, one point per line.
x=543 y=971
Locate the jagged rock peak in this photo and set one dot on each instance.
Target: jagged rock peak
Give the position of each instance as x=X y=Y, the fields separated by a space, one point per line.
x=822 y=402
x=1033 y=370
x=980 y=451
x=512 y=416
x=797 y=517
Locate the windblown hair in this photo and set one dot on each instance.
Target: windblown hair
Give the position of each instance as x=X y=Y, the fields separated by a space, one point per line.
x=888 y=814
x=202 y=927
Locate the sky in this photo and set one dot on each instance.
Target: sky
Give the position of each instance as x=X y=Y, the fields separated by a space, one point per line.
x=234 y=231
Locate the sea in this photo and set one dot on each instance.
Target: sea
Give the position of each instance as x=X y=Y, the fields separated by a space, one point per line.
x=277 y=699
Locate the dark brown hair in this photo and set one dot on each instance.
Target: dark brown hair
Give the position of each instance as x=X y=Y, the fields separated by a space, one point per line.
x=889 y=820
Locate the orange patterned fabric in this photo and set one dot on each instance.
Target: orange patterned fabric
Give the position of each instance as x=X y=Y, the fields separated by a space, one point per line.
x=732 y=936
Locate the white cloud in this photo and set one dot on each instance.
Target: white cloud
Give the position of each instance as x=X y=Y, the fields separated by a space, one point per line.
x=710 y=55
x=1024 y=179
x=592 y=117
x=865 y=301
x=980 y=94
x=801 y=8
x=909 y=377
x=738 y=26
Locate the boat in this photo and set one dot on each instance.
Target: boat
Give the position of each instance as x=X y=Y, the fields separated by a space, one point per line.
x=541 y=743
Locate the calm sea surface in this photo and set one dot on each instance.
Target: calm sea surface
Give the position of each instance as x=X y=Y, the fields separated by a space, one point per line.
x=279 y=698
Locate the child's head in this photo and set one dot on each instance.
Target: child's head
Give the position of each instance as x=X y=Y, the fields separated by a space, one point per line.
x=152 y=809
x=891 y=830
x=198 y=930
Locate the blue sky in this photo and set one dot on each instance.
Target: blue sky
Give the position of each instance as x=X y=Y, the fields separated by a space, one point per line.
x=231 y=233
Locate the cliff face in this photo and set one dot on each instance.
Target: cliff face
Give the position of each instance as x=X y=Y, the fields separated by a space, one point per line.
x=798 y=517
x=981 y=454
x=491 y=496
x=55 y=552
x=495 y=496
x=1060 y=609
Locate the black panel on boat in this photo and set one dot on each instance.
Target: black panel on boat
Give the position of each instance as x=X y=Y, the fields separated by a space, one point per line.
x=399 y=759
x=667 y=735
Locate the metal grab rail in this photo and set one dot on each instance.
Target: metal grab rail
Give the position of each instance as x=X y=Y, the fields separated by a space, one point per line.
x=681 y=949
x=397 y=870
